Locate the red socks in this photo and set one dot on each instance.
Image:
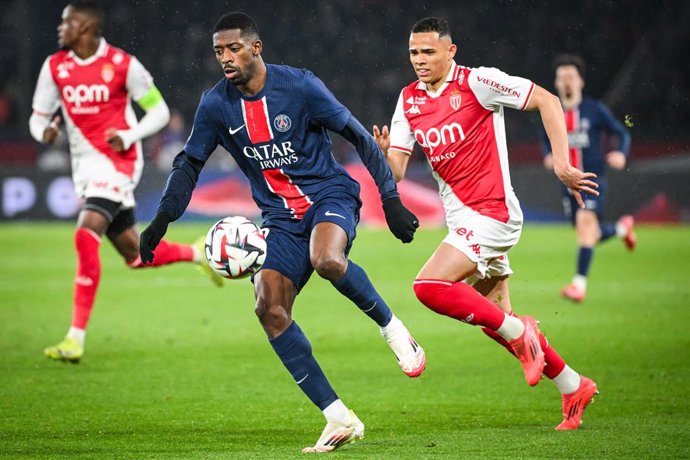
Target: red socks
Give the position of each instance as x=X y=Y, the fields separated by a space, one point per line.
x=554 y=362
x=460 y=301
x=464 y=303
x=167 y=253
x=88 y=275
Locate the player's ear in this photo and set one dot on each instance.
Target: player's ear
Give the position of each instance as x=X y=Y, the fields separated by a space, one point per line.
x=452 y=49
x=257 y=47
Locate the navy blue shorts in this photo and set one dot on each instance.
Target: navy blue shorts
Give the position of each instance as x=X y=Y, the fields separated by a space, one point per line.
x=288 y=240
x=592 y=202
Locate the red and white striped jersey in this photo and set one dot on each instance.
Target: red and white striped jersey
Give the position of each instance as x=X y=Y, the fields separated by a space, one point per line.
x=95 y=94
x=461 y=130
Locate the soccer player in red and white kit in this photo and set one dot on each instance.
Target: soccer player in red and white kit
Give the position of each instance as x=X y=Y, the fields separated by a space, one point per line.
x=455 y=114
x=92 y=83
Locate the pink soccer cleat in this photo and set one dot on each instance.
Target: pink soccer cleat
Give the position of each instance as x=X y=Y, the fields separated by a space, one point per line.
x=630 y=238
x=574 y=293
x=574 y=404
x=528 y=350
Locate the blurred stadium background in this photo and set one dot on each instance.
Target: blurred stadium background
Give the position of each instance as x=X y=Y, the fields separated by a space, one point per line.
x=636 y=55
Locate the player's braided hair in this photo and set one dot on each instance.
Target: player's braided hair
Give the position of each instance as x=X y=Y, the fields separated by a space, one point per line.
x=432 y=25
x=570 y=59
x=90 y=8
x=237 y=20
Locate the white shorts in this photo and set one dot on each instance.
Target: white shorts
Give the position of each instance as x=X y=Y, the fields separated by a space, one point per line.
x=94 y=175
x=486 y=242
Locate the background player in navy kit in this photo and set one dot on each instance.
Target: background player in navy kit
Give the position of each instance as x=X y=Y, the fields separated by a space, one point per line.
x=274 y=120
x=586 y=120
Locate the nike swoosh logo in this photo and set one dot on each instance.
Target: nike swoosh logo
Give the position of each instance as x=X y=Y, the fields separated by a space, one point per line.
x=302 y=379
x=329 y=214
x=233 y=131
x=372 y=307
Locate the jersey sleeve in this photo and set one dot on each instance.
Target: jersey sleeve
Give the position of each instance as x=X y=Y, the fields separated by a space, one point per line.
x=46 y=96
x=322 y=106
x=402 y=138
x=140 y=85
x=613 y=126
x=203 y=139
x=494 y=88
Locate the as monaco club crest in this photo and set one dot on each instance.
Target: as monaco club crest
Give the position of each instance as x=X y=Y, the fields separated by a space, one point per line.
x=455 y=100
x=108 y=73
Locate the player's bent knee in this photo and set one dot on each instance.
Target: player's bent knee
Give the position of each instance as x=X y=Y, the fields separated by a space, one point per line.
x=270 y=314
x=429 y=292
x=331 y=268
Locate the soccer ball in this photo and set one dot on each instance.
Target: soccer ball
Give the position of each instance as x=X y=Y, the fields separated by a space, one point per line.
x=235 y=247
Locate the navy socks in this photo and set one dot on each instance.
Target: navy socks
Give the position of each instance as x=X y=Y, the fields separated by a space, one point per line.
x=294 y=350
x=355 y=285
x=584 y=260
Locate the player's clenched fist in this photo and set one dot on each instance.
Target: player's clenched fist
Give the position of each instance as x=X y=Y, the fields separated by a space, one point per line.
x=401 y=221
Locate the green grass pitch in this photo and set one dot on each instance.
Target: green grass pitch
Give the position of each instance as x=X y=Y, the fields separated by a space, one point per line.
x=176 y=368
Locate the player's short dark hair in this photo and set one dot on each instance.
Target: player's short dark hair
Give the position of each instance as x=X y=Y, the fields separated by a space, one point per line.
x=570 y=59
x=432 y=25
x=90 y=8
x=237 y=20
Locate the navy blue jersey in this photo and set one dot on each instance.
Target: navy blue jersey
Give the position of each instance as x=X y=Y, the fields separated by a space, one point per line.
x=585 y=124
x=279 y=140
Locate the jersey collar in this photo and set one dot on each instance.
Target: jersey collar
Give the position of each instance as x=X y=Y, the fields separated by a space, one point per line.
x=100 y=52
x=449 y=78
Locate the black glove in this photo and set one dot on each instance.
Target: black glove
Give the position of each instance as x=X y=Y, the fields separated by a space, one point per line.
x=153 y=234
x=400 y=220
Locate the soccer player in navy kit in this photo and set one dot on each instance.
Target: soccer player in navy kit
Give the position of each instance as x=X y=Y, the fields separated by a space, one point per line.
x=273 y=120
x=586 y=119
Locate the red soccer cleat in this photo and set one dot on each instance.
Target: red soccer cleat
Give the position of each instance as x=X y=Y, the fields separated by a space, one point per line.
x=574 y=293
x=528 y=350
x=630 y=238
x=574 y=404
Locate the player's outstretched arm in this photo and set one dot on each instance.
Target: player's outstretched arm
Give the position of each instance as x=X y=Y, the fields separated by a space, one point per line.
x=551 y=112
x=400 y=220
x=174 y=201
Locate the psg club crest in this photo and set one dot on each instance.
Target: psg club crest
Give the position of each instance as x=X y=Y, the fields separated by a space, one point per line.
x=455 y=100
x=108 y=73
x=282 y=123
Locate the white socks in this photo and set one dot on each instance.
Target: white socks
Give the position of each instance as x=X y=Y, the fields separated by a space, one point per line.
x=337 y=412
x=393 y=324
x=580 y=281
x=567 y=381
x=511 y=329
x=621 y=230
x=77 y=334
x=197 y=258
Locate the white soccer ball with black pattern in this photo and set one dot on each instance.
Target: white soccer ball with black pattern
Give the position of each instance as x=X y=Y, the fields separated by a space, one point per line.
x=235 y=247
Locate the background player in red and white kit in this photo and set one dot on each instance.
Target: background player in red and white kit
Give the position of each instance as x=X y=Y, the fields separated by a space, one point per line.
x=586 y=120
x=456 y=115
x=92 y=83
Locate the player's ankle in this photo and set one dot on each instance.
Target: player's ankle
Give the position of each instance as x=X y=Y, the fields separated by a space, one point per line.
x=511 y=328
x=77 y=334
x=580 y=282
x=337 y=412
